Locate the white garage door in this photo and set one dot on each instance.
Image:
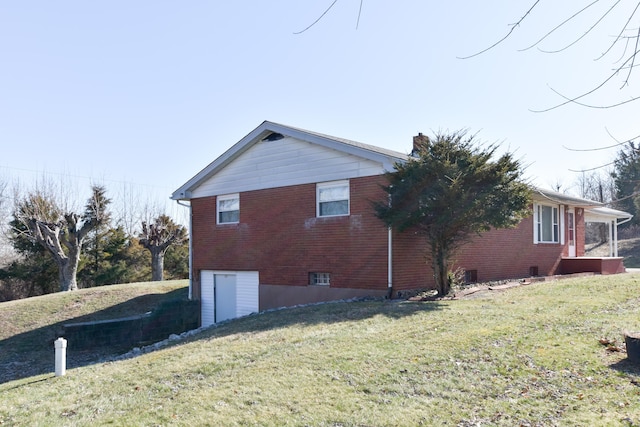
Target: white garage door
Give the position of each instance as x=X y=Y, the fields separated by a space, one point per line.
x=227 y=295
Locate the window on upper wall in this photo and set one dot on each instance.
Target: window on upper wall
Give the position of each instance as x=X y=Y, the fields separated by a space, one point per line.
x=547 y=224
x=228 y=209
x=332 y=199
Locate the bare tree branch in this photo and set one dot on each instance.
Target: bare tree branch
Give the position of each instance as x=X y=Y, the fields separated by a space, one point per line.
x=560 y=25
x=579 y=38
x=513 y=27
x=359 y=13
x=633 y=60
x=622 y=31
x=592 y=169
x=321 y=16
x=617 y=144
x=582 y=104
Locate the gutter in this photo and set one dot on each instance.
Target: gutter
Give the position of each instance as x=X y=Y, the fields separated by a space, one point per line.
x=190 y=248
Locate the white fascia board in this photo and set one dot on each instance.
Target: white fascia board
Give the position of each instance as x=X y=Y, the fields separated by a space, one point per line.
x=184 y=192
x=548 y=196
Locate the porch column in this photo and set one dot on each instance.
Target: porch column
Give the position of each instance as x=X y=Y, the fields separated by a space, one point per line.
x=610 y=224
x=615 y=237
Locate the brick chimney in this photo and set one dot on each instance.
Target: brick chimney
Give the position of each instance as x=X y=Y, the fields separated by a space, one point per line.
x=418 y=141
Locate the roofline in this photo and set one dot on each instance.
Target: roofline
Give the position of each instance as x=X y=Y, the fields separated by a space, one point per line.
x=592 y=208
x=387 y=157
x=606 y=214
x=554 y=196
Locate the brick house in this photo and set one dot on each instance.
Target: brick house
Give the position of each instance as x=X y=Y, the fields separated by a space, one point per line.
x=284 y=217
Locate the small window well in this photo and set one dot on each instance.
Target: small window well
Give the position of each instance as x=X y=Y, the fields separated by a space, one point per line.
x=322 y=279
x=471 y=276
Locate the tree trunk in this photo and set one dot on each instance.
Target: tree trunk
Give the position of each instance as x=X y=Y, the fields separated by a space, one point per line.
x=68 y=277
x=439 y=264
x=157 y=265
x=68 y=271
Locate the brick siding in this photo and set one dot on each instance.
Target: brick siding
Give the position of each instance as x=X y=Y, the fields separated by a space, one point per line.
x=280 y=236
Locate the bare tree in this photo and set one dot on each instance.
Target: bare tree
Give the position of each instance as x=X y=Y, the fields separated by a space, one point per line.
x=41 y=219
x=6 y=251
x=157 y=236
x=598 y=186
x=624 y=42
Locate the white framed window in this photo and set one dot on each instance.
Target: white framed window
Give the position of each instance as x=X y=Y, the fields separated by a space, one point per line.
x=228 y=207
x=321 y=279
x=546 y=224
x=332 y=198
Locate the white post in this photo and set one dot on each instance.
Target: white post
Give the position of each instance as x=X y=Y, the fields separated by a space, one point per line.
x=615 y=237
x=61 y=356
x=610 y=238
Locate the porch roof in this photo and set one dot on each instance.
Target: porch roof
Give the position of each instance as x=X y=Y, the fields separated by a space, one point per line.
x=564 y=199
x=604 y=214
x=593 y=211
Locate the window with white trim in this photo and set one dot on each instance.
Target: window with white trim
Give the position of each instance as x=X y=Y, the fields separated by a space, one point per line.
x=228 y=209
x=547 y=224
x=322 y=279
x=332 y=199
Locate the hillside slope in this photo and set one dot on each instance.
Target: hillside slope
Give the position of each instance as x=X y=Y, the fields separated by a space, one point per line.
x=531 y=355
x=28 y=326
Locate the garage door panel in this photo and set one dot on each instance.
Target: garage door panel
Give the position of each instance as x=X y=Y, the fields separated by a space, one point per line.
x=228 y=294
x=225 y=298
x=247 y=292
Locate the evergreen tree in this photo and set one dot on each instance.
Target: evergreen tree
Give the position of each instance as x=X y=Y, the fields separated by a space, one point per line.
x=176 y=261
x=450 y=192
x=626 y=177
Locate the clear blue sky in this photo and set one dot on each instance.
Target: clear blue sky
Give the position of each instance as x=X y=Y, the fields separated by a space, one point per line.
x=149 y=92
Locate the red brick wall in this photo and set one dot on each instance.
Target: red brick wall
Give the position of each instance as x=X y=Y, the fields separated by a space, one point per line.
x=509 y=253
x=280 y=236
x=410 y=268
x=498 y=254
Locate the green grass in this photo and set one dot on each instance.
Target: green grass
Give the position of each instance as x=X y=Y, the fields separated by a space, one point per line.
x=28 y=327
x=526 y=356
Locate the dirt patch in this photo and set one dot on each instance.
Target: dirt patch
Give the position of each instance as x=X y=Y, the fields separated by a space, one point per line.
x=473 y=291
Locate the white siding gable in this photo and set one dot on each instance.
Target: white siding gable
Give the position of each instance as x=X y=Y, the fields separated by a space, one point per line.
x=288 y=161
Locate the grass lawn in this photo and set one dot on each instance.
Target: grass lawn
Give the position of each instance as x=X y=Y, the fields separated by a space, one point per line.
x=527 y=356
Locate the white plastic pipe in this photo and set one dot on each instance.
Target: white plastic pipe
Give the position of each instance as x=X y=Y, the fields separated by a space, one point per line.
x=61 y=356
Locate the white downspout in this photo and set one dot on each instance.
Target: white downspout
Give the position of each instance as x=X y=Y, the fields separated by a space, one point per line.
x=390 y=263
x=190 y=249
x=389 y=257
